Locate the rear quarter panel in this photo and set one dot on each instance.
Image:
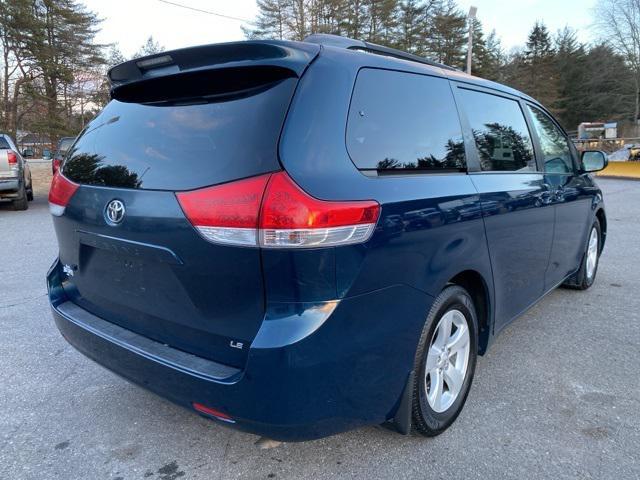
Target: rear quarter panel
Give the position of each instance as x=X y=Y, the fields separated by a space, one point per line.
x=431 y=225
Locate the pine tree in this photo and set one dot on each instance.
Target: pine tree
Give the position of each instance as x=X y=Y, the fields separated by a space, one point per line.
x=113 y=56
x=447 y=34
x=150 y=47
x=411 y=26
x=329 y=16
x=60 y=43
x=356 y=19
x=271 y=21
x=494 y=62
x=479 y=50
x=487 y=58
x=16 y=22
x=609 y=86
x=381 y=17
x=540 y=72
x=570 y=59
x=297 y=19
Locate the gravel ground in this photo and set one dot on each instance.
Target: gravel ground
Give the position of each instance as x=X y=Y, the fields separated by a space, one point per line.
x=557 y=396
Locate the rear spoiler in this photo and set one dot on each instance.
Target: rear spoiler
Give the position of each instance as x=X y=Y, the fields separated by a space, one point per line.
x=293 y=56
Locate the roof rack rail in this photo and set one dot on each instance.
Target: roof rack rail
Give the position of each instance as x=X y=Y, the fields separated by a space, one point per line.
x=352 y=44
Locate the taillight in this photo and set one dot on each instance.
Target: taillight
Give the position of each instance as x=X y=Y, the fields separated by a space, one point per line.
x=226 y=213
x=61 y=191
x=12 y=158
x=55 y=165
x=292 y=218
x=273 y=212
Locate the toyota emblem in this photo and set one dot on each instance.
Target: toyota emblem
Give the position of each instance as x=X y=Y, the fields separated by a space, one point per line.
x=114 y=212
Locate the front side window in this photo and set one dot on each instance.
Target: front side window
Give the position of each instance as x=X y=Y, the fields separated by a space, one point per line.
x=554 y=145
x=404 y=121
x=500 y=132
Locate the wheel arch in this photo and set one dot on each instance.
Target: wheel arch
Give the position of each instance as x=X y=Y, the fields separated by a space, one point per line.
x=474 y=283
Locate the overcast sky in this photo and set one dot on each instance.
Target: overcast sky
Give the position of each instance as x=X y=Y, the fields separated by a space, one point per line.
x=130 y=22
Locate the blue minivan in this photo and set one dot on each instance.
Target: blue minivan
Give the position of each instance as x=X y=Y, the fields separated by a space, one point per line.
x=300 y=238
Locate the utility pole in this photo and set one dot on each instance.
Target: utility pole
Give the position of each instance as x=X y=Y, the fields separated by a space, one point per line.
x=471 y=17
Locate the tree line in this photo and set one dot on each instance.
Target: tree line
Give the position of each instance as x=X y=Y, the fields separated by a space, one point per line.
x=576 y=81
x=52 y=73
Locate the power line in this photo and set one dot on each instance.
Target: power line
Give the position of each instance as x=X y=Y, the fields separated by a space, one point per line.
x=228 y=17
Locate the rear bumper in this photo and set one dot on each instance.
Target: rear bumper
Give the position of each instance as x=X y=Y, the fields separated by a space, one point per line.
x=9 y=187
x=312 y=370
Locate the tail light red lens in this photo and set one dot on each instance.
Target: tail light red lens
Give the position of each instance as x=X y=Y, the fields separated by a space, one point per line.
x=226 y=213
x=273 y=212
x=12 y=158
x=55 y=165
x=292 y=218
x=61 y=191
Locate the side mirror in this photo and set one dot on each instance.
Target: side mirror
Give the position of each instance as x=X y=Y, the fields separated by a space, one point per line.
x=594 y=161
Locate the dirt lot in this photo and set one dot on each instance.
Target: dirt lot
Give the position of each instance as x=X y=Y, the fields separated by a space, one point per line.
x=41 y=177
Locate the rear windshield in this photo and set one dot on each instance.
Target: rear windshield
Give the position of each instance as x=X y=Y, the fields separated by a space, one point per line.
x=182 y=147
x=4 y=144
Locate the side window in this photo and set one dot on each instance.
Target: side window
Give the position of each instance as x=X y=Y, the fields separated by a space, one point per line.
x=500 y=132
x=555 y=147
x=404 y=121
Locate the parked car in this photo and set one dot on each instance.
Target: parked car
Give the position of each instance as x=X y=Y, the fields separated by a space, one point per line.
x=15 y=175
x=224 y=232
x=64 y=144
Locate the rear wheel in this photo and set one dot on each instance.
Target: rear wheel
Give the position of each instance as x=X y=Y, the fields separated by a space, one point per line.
x=21 y=203
x=445 y=361
x=586 y=275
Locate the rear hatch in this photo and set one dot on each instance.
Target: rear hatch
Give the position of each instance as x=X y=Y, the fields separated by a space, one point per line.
x=180 y=121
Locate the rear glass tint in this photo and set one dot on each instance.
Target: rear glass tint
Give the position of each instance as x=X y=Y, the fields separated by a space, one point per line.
x=404 y=121
x=182 y=147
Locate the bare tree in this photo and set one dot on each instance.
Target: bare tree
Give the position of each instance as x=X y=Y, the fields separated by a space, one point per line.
x=619 y=23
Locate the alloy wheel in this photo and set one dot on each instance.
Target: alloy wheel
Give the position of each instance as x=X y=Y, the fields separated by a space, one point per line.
x=592 y=253
x=447 y=361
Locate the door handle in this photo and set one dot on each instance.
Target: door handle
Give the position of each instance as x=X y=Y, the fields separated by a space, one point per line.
x=546 y=197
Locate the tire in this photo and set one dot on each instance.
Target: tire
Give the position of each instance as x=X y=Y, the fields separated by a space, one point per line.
x=433 y=414
x=586 y=275
x=21 y=203
x=30 y=195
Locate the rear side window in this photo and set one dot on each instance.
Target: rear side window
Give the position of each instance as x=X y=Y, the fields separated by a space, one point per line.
x=404 y=121
x=554 y=145
x=500 y=132
x=173 y=146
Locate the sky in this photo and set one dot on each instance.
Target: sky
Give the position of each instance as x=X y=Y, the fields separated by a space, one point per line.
x=130 y=22
x=513 y=19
